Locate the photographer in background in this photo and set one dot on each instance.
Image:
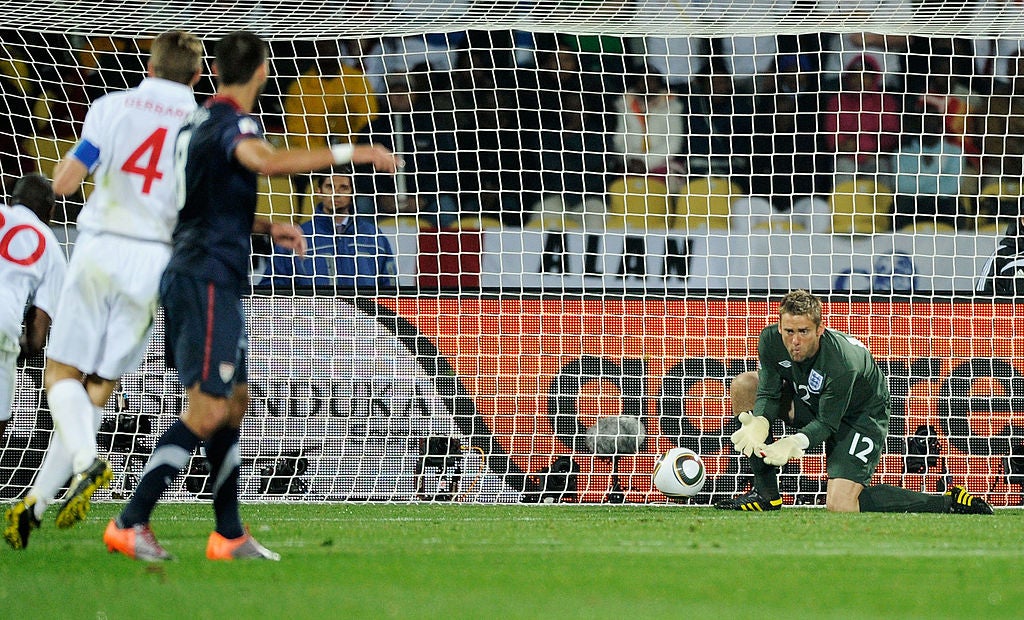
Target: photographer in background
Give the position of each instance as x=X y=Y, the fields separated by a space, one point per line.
x=1003 y=274
x=345 y=250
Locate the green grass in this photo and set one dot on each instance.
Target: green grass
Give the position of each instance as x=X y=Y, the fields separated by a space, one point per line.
x=465 y=561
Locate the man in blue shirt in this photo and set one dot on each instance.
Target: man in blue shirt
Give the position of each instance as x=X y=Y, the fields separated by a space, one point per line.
x=344 y=250
x=220 y=152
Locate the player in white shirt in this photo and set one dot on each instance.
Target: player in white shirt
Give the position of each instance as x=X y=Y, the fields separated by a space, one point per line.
x=110 y=296
x=32 y=268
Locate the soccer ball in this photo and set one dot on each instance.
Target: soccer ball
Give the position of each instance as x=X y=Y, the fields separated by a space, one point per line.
x=679 y=473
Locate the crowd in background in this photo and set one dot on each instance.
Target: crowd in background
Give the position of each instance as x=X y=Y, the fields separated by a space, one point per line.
x=514 y=126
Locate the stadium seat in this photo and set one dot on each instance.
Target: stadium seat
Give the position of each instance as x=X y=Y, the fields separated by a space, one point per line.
x=478 y=222
x=47 y=151
x=276 y=201
x=488 y=222
x=861 y=207
x=999 y=201
x=638 y=202
x=928 y=228
x=706 y=203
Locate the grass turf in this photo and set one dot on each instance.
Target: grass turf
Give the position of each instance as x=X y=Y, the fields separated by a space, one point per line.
x=565 y=561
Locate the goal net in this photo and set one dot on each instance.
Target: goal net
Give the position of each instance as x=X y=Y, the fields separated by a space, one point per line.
x=601 y=204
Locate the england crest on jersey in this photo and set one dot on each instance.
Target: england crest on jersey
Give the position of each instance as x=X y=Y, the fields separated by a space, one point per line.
x=814 y=381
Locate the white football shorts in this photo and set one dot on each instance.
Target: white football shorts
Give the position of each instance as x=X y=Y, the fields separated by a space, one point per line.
x=110 y=296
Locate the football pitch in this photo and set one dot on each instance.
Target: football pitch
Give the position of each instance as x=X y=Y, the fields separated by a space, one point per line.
x=518 y=561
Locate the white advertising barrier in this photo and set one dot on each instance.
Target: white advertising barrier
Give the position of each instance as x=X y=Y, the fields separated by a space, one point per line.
x=657 y=260
x=897 y=263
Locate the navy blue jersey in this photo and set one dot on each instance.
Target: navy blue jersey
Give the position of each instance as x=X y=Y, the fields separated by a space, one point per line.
x=213 y=236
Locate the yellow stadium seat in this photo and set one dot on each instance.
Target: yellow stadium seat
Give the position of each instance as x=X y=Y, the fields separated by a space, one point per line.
x=276 y=200
x=637 y=202
x=928 y=228
x=999 y=201
x=47 y=151
x=706 y=202
x=778 y=225
x=488 y=222
x=861 y=207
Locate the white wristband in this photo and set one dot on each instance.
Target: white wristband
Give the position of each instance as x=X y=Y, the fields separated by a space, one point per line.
x=342 y=153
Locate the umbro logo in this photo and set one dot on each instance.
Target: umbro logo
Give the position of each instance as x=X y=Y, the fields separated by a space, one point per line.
x=785 y=363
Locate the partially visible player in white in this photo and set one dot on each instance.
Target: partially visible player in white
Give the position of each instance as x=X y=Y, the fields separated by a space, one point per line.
x=32 y=268
x=109 y=300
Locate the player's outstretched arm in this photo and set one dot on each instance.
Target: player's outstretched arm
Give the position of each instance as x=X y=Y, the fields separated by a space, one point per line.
x=262 y=157
x=383 y=160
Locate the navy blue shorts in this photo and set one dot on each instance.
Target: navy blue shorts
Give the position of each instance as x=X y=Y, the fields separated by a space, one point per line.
x=205 y=333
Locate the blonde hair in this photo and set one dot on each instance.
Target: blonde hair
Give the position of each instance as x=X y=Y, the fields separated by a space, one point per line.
x=801 y=303
x=177 y=56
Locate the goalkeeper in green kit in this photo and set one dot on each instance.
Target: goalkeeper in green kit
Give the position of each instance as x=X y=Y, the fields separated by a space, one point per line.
x=825 y=384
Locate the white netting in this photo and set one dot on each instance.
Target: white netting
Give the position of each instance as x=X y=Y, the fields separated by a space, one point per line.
x=618 y=191
x=289 y=19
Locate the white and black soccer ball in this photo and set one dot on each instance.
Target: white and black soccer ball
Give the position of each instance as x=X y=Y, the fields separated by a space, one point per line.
x=679 y=473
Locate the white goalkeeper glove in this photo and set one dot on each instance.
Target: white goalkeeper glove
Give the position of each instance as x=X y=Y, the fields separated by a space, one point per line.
x=786 y=448
x=751 y=434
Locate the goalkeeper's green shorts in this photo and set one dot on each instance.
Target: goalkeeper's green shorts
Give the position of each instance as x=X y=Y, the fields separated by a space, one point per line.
x=853 y=454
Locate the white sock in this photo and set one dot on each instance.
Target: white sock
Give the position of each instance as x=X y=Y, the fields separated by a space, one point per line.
x=53 y=473
x=73 y=413
x=97 y=418
x=55 y=470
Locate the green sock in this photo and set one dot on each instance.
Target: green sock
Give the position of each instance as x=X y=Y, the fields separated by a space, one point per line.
x=887 y=498
x=766 y=478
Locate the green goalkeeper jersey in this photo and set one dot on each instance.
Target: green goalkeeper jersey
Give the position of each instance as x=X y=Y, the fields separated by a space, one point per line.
x=840 y=384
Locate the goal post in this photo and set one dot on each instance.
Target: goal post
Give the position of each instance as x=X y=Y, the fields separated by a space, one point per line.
x=602 y=203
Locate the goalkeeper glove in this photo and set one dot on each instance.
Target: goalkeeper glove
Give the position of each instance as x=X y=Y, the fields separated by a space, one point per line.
x=786 y=448
x=751 y=434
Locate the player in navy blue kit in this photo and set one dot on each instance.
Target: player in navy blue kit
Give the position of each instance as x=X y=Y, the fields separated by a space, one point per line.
x=220 y=152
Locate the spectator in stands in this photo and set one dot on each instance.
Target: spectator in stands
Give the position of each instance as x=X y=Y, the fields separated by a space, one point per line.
x=719 y=126
x=746 y=59
x=328 y=104
x=113 y=63
x=604 y=56
x=497 y=176
x=1000 y=122
x=931 y=175
x=344 y=250
x=418 y=125
x=677 y=59
x=994 y=60
x=939 y=77
x=15 y=125
x=63 y=102
x=648 y=129
x=567 y=109
x=789 y=167
x=396 y=55
x=862 y=122
x=887 y=52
